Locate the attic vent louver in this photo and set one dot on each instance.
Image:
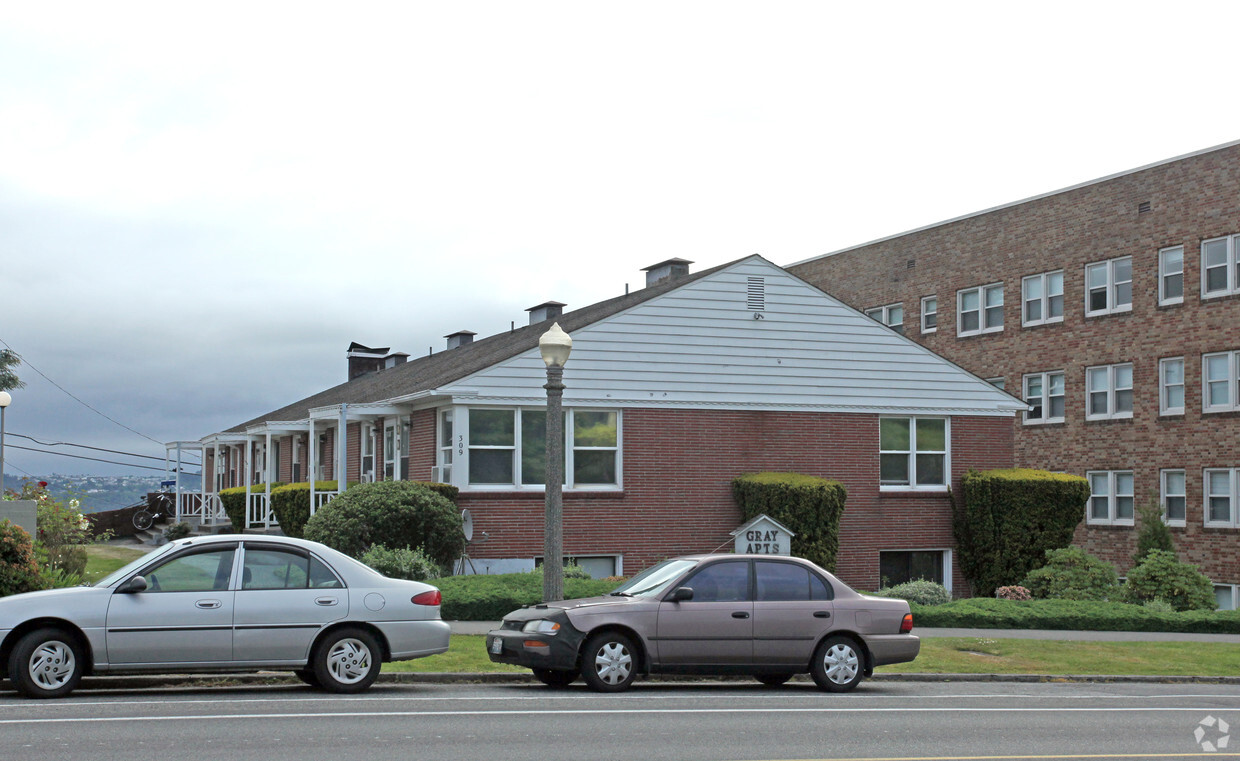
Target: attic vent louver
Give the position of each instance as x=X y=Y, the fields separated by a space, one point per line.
x=1143 y=207
x=755 y=296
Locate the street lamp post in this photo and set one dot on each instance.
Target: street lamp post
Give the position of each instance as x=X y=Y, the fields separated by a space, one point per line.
x=5 y=400
x=554 y=345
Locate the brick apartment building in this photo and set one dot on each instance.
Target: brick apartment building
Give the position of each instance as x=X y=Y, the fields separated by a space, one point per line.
x=1113 y=308
x=672 y=391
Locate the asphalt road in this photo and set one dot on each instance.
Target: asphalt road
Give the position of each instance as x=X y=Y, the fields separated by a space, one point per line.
x=905 y=720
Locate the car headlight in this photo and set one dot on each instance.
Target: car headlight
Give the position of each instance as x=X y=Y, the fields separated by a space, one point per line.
x=540 y=627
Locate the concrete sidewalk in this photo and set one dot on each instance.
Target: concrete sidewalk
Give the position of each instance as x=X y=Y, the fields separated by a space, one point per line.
x=482 y=627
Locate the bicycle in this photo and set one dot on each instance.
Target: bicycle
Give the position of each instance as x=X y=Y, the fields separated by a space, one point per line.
x=145 y=518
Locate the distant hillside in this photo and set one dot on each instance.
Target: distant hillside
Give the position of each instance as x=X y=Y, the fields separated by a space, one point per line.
x=99 y=493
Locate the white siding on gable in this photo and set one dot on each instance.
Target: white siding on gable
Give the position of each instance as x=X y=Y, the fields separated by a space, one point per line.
x=704 y=344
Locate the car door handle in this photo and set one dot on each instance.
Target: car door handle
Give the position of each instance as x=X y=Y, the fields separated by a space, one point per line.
x=740 y=614
x=822 y=614
x=326 y=601
x=208 y=604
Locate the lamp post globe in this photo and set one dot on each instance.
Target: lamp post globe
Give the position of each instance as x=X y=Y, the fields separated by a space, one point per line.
x=554 y=346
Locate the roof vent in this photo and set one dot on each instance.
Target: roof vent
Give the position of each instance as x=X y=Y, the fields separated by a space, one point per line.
x=545 y=311
x=460 y=338
x=755 y=294
x=1143 y=207
x=671 y=269
x=394 y=359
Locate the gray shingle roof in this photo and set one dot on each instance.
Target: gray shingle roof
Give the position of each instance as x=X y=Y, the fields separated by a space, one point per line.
x=436 y=370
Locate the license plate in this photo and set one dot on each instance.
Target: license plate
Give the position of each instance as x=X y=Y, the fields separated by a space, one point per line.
x=497 y=646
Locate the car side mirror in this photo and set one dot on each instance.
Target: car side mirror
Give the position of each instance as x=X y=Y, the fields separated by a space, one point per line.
x=136 y=584
x=681 y=594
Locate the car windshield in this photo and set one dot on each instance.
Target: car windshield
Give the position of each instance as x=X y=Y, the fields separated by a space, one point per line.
x=654 y=580
x=121 y=573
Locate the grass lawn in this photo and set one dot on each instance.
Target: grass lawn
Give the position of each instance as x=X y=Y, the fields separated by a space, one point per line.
x=102 y=559
x=964 y=655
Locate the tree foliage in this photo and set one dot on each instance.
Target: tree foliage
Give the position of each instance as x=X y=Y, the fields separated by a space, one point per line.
x=9 y=360
x=1153 y=534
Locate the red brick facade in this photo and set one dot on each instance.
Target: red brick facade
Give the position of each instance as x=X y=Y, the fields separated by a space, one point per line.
x=1178 y=203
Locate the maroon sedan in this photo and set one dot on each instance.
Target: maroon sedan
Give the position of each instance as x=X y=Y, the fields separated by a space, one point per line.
x=763 y=615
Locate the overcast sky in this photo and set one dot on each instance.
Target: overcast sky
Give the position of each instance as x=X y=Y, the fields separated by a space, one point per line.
x=202 y=204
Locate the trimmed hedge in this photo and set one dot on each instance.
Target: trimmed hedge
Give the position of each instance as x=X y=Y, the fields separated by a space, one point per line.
x=396 y=514
x=490 y=598
x=233 y=500
x=291 y=505
x=989 y=613
x=809 y=506
x=1006 y=520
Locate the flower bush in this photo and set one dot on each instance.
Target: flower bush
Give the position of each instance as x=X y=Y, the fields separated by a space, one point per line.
x=1013 y=593
x=19 y=571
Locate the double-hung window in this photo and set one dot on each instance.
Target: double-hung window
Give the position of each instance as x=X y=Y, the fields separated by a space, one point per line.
x=1221 y=497
x=1171 y=386
x=1174 y=498
x=1108 y=287
x=913 y=453
x=1110 y=499
x=1171 y=276
x=979 y=310
x=508 y=447
x=1220 y=391
x=1108 y=392
x=891 y=315
x=1220 y=267
x=1043 y=298
x=929 y=314
x=1044 y=393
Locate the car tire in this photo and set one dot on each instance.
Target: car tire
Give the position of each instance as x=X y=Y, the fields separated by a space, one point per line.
x=347 y=661
x=772 y=680
x=838 y=664
x=307 y=676
x=46 y=663
x=555 y=677
x=609 y=662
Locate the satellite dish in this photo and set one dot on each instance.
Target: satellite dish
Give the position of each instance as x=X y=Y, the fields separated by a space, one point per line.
x=467 y=525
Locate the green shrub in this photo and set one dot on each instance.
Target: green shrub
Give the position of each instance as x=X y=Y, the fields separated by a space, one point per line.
x=57 y=578
x=1013 y=593
x=1158 y=606
x=1005 y=520
x=234 y=500
x=1071 y=574
x=393 y=513
x=1153 y=534
x=71 y=559
x=19 y=571
x=1161 y=577
x=920 y=591
x=989 y=613
x=809 y=506
x=291 y=505
x=177 y=531
x=490 y=598
x=401 y=563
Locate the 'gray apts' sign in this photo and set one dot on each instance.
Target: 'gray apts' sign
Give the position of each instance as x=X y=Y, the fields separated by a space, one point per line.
x=763 y=536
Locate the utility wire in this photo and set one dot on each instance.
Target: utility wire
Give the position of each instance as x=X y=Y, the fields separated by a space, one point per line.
x=94 y=459
x=26 y=362
x=97 y=449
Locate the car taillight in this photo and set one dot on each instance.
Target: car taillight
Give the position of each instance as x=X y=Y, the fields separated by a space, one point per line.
x=432 y=597
x=906 y=625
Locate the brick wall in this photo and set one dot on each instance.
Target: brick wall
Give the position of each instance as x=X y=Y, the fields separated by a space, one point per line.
x=677 y=499
x=1190 y=200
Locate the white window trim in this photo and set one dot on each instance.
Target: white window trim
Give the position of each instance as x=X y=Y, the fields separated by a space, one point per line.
x=1163 y=407
x=1163 y=494
x=1232 y=265
x=1163 y=299
x=1232 y=588
x=912 y=485
x=983 y=327
x=1233 y=497
x=1046 y=397
x=884 y=316
x=1233 y=382
x=460 y=464
x=1111 y=283
x=365 y=441
x=1111 y=413
x=1112 y=497
x=1044 y=299
x=924 y=314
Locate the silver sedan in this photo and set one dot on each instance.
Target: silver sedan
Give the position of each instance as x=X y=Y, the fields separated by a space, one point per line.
x=225 y=602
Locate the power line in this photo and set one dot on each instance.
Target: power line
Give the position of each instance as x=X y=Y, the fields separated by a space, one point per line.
x=94 y=459
x=26 y=362
x=97 y=449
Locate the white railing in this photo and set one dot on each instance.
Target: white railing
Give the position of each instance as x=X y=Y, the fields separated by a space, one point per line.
x=322 y=498
x=213 y=510
x=258 y=512
x=189 y=507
